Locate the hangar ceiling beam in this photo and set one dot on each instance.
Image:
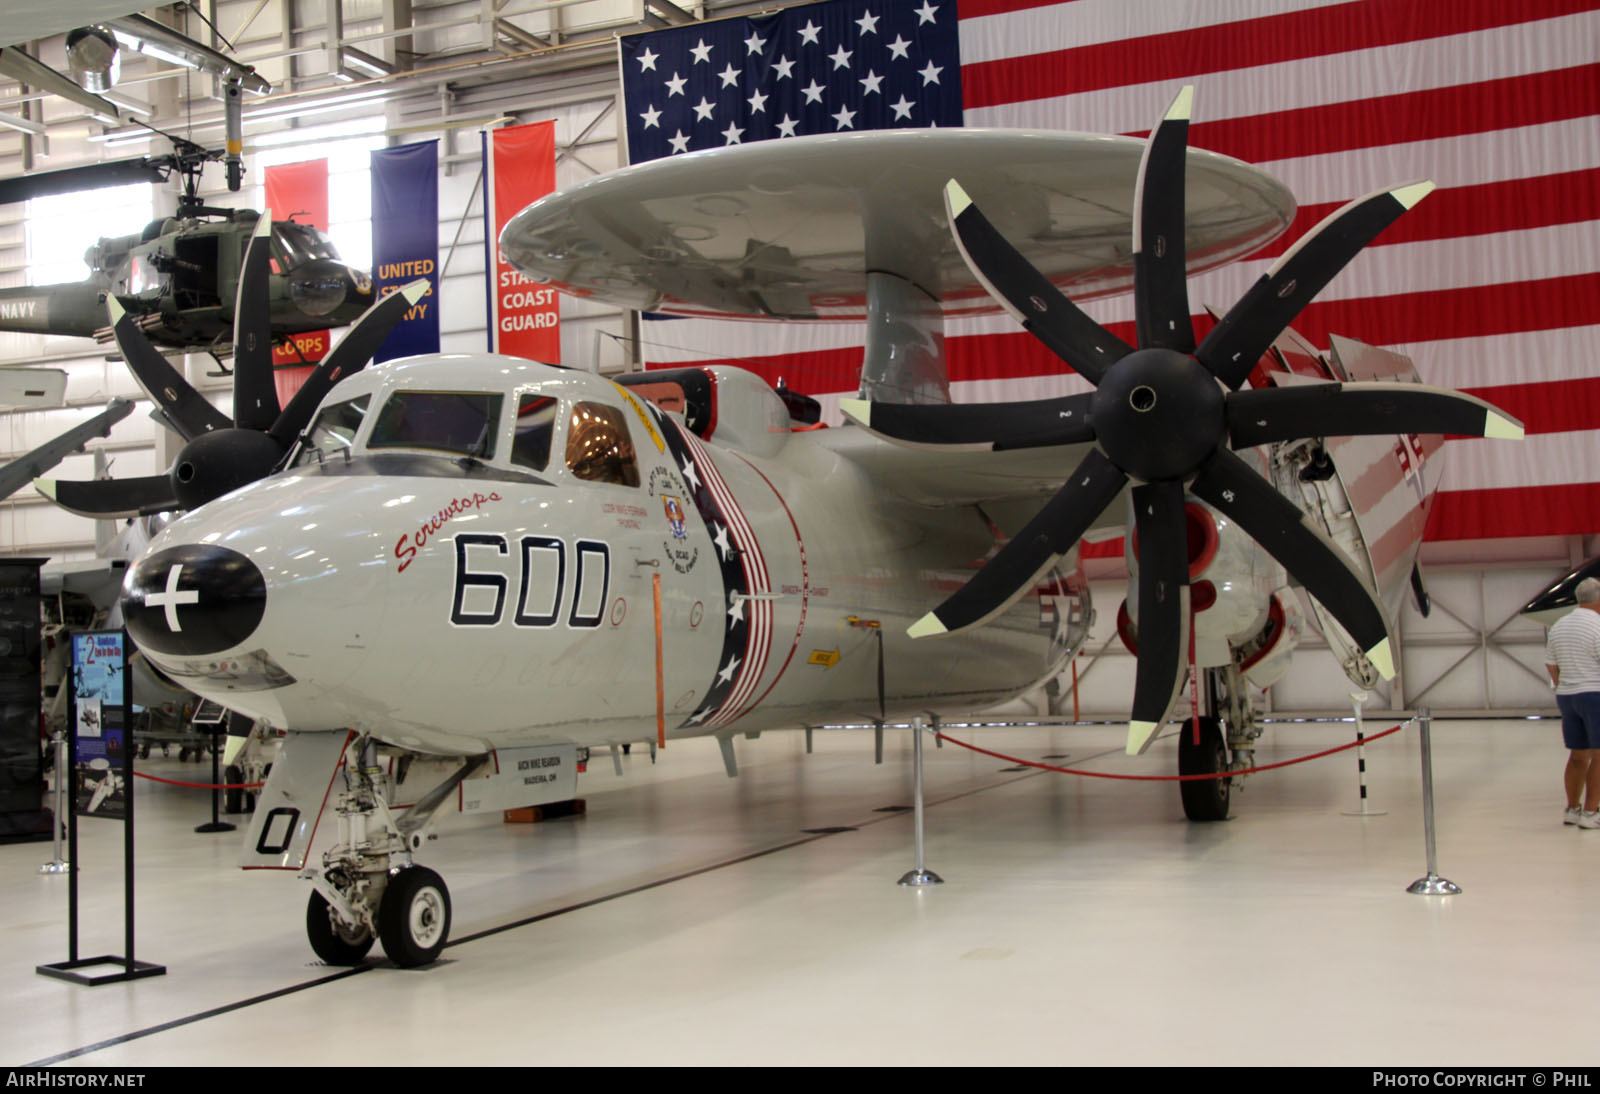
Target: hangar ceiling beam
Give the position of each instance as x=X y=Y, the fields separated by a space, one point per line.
x=668 y=13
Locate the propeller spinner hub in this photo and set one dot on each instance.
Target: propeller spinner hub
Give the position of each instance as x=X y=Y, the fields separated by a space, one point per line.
x=216 y=463
x=1158 y=414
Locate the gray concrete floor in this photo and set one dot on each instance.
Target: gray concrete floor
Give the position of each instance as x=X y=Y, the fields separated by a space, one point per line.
x=689 y=919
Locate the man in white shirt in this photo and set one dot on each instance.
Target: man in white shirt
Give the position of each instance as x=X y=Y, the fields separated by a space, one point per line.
x=1572 y=654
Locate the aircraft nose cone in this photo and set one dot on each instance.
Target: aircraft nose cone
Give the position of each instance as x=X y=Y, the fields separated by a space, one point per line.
x=192 y=600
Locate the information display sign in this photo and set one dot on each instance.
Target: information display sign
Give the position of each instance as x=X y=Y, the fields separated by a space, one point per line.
x=101 y=725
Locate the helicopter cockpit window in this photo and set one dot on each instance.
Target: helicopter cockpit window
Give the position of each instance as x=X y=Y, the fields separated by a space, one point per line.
x=295 y=244
x=536 y=421
x=462 y=422
x=333 y=431
x=145 y=277
x=599 y=448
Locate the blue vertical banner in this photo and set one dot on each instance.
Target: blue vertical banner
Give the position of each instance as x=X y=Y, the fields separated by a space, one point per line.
x=405 y=240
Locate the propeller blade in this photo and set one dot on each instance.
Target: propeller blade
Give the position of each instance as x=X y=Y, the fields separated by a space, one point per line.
x=1163 y=608
x=19 y=472
x=350 y=356
x=183 y=406
x=1160 y=281
x=1276 y=523
x=104 y=499
x=1235 y=344
x=1359 y=409
x=1018 y=565
x=979 y=427
x=1027 y=295
x=255 y=395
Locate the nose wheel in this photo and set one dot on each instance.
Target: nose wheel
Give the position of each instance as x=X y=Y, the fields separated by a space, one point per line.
x=414 y=917
x=332 y=938
x=368 y=889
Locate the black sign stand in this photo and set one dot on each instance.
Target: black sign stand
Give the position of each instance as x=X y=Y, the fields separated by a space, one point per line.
x=123 y=967
x=213 y=718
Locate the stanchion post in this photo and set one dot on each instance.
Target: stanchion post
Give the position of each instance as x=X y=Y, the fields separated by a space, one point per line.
x=216 y=823
x=920 y=875
x=1356 y=699
x=58 y=800
x=1432 y=884
x=661 y=693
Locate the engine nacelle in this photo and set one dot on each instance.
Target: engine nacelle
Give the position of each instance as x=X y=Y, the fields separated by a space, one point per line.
x=1266 y=656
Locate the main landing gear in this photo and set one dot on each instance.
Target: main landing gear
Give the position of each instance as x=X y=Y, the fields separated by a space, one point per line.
x=1227 y=728
x=368 y=889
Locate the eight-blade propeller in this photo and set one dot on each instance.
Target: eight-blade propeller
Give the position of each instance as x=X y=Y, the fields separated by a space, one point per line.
x=1166 y=416
x=222 y=454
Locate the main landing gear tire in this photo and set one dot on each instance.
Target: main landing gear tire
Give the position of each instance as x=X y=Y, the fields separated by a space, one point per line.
x=334 y=944
x=414 y=917
x=1204 y=799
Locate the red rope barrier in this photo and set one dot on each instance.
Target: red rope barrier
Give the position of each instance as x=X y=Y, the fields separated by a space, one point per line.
x=1169 y=778
x=199 y=786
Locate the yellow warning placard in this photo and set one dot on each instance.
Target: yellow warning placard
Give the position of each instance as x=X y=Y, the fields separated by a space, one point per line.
x=826 y=658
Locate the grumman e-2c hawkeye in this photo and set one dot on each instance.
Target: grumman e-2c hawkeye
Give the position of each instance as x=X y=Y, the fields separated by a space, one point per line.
x=457 y=562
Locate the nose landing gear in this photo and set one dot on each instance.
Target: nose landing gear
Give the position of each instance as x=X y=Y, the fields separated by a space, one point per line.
x=368 y=889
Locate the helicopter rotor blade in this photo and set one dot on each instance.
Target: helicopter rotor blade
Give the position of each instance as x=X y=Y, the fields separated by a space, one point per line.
x=350 y=356
x=255 y=395
x=69 y=180
x=184 y=407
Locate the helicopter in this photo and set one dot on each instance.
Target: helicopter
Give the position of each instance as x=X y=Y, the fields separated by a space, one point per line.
x=179 y=277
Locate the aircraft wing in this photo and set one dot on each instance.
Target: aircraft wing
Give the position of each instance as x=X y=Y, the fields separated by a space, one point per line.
x=17 y=474
x=1015 y=480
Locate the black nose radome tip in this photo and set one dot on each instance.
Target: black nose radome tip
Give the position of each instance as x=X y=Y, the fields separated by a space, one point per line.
x=191 y=600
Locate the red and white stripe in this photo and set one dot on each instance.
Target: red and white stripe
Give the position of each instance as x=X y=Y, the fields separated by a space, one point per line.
x=1491 y=285
x=758 y=609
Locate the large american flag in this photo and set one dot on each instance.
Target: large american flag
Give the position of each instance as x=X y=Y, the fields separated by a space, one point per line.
x=819 y=68
x=1491 y=285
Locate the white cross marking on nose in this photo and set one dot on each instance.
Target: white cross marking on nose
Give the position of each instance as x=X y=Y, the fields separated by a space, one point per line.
x=172 y=597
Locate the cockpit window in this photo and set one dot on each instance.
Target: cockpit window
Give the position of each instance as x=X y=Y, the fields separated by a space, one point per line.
x=536 y=420
x=333 y=431
x=295 y=244
x=599 y=448
x=462 y=422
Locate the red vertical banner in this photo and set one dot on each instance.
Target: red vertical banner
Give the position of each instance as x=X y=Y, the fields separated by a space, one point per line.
x=524 y=316
x=300 y=191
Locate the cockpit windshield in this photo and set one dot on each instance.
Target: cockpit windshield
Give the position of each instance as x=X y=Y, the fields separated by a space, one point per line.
x=459 y=422
x=333 y=431
x=294 y=244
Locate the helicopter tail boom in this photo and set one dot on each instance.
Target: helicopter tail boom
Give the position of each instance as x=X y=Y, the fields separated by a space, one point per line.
x=75 y=309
